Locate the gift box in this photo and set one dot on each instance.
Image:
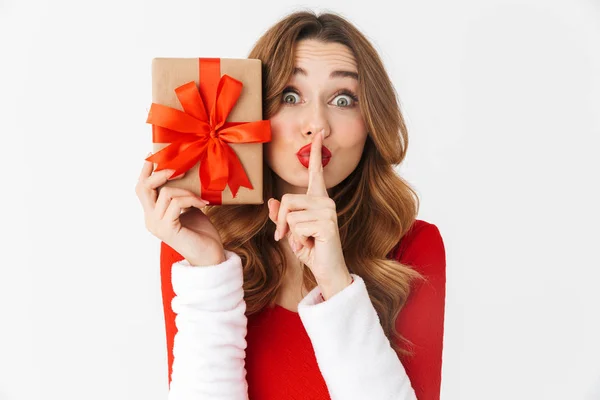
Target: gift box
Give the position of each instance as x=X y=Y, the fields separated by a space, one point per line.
x=206 y=117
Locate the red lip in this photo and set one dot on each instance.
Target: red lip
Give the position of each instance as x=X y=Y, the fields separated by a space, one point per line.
x=305 y=151
x=304 y=155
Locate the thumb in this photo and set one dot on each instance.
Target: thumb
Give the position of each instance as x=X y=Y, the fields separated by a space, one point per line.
x=273 y=205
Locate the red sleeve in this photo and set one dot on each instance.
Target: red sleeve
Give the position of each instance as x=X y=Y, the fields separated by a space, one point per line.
x=421 y=320
x=168 y=256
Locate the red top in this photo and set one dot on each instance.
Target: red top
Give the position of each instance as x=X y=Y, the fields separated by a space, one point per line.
x=280 y=360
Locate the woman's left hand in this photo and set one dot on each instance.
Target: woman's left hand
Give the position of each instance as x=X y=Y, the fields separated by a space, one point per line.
x=309 y=221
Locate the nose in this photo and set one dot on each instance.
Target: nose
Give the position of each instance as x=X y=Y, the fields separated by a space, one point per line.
x=315 y=119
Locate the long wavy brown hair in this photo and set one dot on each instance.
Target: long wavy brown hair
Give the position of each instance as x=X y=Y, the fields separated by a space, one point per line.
x=375 y=206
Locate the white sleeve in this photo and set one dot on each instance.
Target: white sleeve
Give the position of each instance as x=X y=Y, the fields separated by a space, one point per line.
x=353 y=353
x=209 y=348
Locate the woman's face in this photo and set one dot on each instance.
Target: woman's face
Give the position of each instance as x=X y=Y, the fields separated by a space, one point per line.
x=321 y=95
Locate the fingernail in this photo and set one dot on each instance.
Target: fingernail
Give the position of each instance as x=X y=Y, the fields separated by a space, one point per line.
x=323 y=133
x=277 y=236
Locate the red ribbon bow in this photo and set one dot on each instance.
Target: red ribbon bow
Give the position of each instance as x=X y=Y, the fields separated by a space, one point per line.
x=194 y=137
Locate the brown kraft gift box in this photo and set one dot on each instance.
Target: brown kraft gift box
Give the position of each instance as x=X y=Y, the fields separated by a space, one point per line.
x=171 y=73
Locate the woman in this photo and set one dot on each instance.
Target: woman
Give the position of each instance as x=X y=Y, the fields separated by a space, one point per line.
x=333 y=289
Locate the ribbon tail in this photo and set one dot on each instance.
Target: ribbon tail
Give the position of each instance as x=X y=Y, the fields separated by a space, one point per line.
x=237 y=175
x=214 y=169
x=187 y=158
x=164 y=155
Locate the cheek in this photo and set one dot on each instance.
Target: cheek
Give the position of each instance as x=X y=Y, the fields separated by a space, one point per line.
x=281 y=139
x=351 y=132
x=281 y=126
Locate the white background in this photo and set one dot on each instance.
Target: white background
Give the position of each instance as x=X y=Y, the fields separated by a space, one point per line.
x=502 y=101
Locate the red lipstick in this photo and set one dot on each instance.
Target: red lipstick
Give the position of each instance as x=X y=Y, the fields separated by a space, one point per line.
x=304 y=155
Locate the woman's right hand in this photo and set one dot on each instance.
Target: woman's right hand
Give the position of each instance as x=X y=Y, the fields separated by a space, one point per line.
x=190 y=233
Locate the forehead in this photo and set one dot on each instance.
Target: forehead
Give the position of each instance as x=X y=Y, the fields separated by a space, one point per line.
x=309 y=52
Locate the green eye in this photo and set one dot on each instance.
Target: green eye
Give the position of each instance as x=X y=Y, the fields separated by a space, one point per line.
x=291 y=97
x=343 y=100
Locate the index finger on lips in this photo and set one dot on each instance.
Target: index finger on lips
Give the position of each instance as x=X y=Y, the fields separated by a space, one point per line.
x=316 y=181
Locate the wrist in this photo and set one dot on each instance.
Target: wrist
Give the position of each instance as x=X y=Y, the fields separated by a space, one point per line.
x=330 y=290
x=215 y=258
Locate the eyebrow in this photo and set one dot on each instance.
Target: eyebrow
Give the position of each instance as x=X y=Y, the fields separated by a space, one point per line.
x=334 y=74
